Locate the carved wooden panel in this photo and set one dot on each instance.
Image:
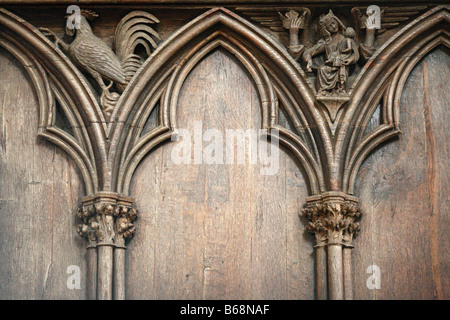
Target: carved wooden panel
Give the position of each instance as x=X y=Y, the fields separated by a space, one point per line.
x=228 y=232
x=404 y=188
x=110 y=85
x=39 y=191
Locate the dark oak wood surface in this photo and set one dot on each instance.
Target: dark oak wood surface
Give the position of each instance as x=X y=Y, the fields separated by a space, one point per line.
x=39 y=191
x=404 y=191
x=225 y=231
x=219 y=231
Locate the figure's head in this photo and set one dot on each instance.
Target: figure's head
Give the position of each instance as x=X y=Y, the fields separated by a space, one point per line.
x=78 y=21
x=330 y=24
x=349 y=32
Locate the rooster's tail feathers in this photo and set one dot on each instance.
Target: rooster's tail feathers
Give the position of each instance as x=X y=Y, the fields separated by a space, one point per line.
x=132 y=30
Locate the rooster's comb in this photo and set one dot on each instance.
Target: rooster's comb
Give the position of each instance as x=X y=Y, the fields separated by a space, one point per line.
x=89 y=14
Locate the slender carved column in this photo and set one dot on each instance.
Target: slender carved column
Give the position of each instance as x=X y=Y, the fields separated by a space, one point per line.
x=87 y=230
x=125 y=230
x=313 y=211
x=107 y=223
x=105 y=207
x=333 y=220
x=352 y=214
x=352 y=78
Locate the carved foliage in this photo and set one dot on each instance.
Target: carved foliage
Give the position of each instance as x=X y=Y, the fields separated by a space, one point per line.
x=107 y=220
x=333 y=221
x=125 y=216
x=106 y=141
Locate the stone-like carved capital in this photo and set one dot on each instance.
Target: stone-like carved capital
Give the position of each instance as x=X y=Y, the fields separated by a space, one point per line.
x=87 y=229
x=125 y=216
x=314 y=213
x=333 y=218
x=107 y=219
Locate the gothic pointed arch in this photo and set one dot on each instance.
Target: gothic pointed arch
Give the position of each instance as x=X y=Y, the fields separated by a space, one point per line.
x=56 y=80
x=276 y=75
x=329 y=131
x=390 y=66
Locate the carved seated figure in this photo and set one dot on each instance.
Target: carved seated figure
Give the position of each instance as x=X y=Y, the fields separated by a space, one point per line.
x=340 y=52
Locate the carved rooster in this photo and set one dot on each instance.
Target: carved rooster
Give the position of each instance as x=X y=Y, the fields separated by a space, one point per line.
x=93 y=55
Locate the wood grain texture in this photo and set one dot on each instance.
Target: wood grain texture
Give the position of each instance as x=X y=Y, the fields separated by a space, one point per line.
x=218 y=231
x=403 y=189
x=225 y=231
x=38 y=194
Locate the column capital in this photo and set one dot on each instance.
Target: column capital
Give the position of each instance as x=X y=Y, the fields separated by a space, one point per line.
x=333 y=218
x=107 y=219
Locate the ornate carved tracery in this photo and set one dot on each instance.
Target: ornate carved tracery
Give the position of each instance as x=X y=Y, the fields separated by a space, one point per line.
x=107 y=141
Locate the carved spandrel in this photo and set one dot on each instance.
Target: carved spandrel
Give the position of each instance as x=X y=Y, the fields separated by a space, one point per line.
x=366 y=24
x=373 y=21
x=335 y=223
x=117 y=67
x=340 y=51
x=294 y=21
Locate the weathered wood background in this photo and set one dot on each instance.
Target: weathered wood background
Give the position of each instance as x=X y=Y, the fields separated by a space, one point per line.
x=219 y=231
x=39 y=193
x=225 y=231
x=404 y=191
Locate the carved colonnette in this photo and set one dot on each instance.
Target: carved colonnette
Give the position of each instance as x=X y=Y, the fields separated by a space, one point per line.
x=334 y=221
x=329 y=79
x=106 y=222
